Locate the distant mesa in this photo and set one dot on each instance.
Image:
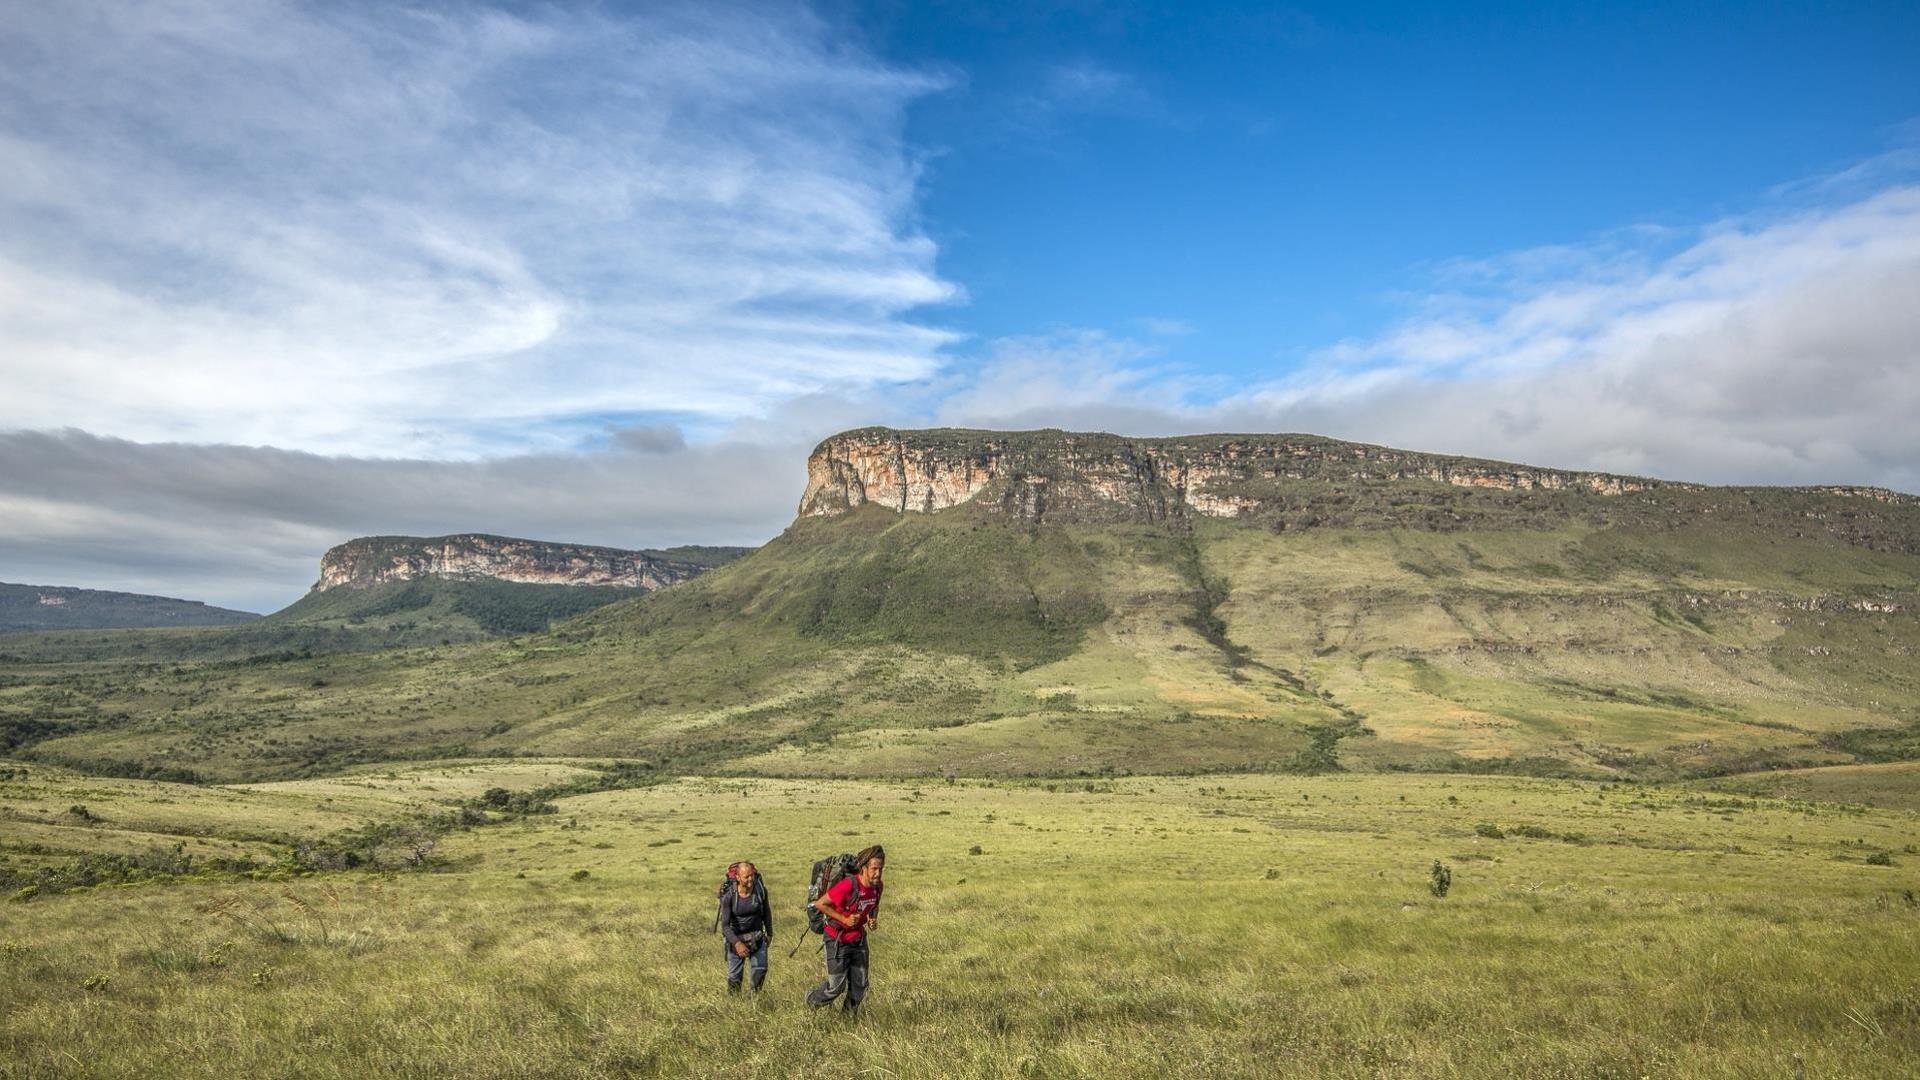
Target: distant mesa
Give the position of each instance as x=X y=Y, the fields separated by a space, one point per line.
x=382 y=560
x=58 y=607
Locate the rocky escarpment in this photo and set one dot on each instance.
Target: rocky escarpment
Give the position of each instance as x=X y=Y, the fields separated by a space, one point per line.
x=380 y=560
x=1286 y=481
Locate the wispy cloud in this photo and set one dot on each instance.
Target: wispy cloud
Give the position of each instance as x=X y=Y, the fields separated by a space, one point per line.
x=1086 y=86
x=1078 y=89
x=448 y=230
x=1162 y=327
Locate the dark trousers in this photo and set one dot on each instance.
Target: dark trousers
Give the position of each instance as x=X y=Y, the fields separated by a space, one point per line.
x=756 y=955
x=846 y=973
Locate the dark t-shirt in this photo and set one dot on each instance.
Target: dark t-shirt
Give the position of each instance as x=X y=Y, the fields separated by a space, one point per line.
x=843 y=896
x=744 y=915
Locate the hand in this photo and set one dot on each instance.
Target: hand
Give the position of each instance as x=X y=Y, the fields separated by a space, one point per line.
x=740 y=948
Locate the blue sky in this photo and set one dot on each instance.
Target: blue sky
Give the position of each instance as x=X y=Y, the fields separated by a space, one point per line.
x=275 y=273
x=1274 y=178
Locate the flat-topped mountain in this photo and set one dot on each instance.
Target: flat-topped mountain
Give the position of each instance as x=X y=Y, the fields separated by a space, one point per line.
x=1286 y=481
x=395 y=590
x=384 y=560
x=58 y=607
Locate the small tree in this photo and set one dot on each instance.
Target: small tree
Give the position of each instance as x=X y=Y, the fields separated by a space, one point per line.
x=420 y=844
x=1441 y=880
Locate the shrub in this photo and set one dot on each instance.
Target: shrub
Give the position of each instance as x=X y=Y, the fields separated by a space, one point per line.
x=515 y=802
x=1440 y=880
x=1489 y=830
x=1880 y=858
x=581 y=875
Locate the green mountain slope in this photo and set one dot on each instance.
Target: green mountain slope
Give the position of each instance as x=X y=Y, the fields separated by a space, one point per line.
x=1112 y=624
x=426 y=610
x=52 y=607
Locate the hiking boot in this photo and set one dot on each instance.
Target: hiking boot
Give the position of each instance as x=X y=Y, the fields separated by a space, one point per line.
x=733 y=986
x=758 y=978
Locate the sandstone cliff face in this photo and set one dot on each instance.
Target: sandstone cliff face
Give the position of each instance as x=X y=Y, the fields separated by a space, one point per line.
x=933 y=470
x=1281 y=481
x=377 y=560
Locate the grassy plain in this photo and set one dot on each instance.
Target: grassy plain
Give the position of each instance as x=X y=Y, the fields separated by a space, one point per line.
x=1229 y=926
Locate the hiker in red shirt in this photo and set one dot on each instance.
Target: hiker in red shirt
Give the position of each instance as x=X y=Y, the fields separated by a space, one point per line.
x=850 y=907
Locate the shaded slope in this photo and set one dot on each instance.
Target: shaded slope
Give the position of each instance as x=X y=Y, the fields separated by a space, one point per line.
x=426 y=610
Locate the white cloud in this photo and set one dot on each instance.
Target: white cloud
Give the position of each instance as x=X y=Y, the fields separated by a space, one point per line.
x=1779 y=351
x=444 y=231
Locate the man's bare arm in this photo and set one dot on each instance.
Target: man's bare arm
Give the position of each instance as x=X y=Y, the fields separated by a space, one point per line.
x=826 y=907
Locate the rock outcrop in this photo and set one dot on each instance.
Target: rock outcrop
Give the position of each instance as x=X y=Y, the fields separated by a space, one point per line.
x=1284 y=481
x=378 y=560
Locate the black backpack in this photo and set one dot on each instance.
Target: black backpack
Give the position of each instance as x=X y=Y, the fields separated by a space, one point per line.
x=729 y=884
x=826 y=874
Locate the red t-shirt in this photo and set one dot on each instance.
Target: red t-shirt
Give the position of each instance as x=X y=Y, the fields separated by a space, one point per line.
x=842 y=896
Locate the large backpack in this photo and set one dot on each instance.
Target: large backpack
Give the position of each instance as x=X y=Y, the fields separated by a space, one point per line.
x=826 y=874
x=729 y=884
